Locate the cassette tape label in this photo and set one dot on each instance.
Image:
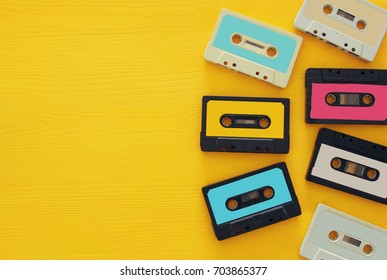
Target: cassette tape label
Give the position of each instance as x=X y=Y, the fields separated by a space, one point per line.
x=362 y=102
x=274 y=179
x=217 y=109
x=245 y=39
x=323 y=169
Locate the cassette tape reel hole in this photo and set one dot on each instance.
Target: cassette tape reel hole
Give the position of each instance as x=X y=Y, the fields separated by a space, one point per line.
x=336 y=163
x=368 y=249
x=333 y=235
x=268 y=193
x=236 y=39
x=226 y=121
x=361 y=25
x=264 y=122
x=328 y=9
x=330 y=98
x=372 y=174
x=368 y=99
x=271 y=51
x=232 y=204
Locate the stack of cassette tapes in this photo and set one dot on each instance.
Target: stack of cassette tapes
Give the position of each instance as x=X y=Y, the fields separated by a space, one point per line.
x=260 y=125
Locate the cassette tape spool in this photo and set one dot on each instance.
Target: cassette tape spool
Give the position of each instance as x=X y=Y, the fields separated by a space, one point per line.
x=253 y=48
x=251 y=201
x=356 y=27
x=245 y=124
x=334 y=235
x=356 y=96
x=349 y=164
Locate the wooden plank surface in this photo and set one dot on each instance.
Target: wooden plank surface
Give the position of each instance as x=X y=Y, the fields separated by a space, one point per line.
x=99 y=131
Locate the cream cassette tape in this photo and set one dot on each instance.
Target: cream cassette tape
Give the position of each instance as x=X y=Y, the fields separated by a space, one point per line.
x=334 y=235
x=253 y=48
x=357 y=26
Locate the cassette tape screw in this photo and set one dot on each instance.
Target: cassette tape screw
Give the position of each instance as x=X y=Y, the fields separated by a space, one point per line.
x=328 y=9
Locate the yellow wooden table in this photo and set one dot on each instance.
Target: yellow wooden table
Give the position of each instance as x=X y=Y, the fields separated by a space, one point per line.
x=99 y=131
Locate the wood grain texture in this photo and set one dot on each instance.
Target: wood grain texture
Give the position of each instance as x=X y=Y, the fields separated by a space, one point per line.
x=99 y=131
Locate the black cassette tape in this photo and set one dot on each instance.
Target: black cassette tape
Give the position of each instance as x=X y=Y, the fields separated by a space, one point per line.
x=349 y=164
x=341 y=96
x=251 y=201
x=245 y=124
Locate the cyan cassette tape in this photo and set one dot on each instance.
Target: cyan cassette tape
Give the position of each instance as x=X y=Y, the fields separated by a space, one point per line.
x=251 y=201
x=349 y=164
x=334 y=235
x=356 y=26
x=356 y=96
x=245 y=124
x=253 y=48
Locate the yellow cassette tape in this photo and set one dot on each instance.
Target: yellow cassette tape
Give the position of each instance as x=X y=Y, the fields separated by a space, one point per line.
x=243 y=124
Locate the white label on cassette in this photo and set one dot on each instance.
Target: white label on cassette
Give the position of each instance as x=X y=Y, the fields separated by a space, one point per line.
x=253 y=48
x=323 y=169
x=357 y=26
x=334 y=235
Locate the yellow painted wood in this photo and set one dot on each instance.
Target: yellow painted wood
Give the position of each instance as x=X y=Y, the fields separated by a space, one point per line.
x=100 y=111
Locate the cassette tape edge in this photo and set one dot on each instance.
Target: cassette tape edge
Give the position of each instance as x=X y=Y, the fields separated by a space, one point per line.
x=249 y=143
x=376 y=152
x=254 y=220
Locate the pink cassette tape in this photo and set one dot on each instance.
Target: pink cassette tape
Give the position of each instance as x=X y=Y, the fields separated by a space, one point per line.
x=346 y=96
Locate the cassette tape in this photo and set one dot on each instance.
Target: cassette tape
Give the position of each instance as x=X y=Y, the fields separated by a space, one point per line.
x=251 y=201
x=349 y=164
x=253 y=48
x=346 y=96
x=334 y=235
x=356 y=27
x=245 y=124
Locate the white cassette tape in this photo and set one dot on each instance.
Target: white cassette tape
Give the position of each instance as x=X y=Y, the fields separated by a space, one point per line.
x=356 y=26
x=334 y=235
x=253 y=48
